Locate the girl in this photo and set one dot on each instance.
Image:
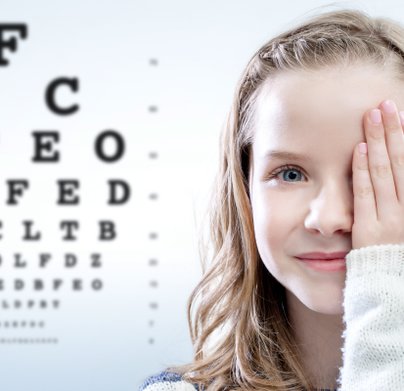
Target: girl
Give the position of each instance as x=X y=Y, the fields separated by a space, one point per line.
x=306 y=286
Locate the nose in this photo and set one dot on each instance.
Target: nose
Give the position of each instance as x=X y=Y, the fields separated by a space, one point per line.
x=331 y=209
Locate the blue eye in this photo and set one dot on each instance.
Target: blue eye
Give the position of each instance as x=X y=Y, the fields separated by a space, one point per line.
x=290 y=169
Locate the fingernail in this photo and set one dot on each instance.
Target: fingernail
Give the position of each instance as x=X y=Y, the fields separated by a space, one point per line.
x=376 y=116
x=389 y=106
x=402 y=117
x=363 y=148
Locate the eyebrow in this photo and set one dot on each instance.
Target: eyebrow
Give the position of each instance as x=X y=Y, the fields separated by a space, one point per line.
x=286 y=155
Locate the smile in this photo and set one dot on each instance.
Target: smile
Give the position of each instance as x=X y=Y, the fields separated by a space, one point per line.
x=328 y=265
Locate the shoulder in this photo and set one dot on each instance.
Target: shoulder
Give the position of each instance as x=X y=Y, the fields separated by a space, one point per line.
x=166 y=381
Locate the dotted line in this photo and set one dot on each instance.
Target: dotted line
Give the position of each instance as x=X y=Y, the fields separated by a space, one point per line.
x=29 y=340
x=153 y=262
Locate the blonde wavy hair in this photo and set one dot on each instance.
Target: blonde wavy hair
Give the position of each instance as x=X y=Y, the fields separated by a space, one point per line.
x=238 y=300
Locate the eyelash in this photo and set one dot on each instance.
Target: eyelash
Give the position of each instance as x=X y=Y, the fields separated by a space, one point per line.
x=281 y=169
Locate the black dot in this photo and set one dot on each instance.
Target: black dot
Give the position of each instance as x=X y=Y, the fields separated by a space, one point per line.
x=154 y=283
x=153 y=305
x=153 y=196
x=153 y=155
x=153 y=109
x=153 y=235
x=153 y=262
x=153 y=61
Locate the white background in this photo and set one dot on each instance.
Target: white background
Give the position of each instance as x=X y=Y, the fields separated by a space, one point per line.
x=201 y=48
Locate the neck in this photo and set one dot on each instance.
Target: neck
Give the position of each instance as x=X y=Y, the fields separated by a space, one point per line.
x=319 y=339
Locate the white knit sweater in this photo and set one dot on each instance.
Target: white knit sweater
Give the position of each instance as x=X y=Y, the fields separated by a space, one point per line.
x=373 y=350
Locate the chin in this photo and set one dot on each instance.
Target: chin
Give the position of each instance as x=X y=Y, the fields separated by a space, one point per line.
x=325 y=305
x=320 y=297
x=328 y=310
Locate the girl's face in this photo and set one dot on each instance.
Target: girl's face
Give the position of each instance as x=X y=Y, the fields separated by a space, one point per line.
x=308 y=207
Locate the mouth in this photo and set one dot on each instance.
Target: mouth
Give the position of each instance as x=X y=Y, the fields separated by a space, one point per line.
x=312 y=256
x=327 y=265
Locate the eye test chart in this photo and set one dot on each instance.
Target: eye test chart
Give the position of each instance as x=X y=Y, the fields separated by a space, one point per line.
x=111 y=113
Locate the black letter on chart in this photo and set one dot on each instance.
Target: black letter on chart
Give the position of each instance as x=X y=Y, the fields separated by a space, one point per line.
x=15 y=187
x=99 y=144
x=73 y=83
x=12 y=42
x=113 y=198
x=107 y=230
x=70 y=260
x=28 y=233
x=65 y=191
x=69 y=224
x=42 y=145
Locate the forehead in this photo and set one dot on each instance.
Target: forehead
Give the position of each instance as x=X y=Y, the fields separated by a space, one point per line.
x=302 y=109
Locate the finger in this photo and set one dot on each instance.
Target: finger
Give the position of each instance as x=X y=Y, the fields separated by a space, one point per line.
x=364 y=198
x=379 y=165
x=395 y=145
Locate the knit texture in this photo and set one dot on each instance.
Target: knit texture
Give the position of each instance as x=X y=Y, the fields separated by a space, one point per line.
x=170 y=381
x=373 y=349
x=166 y=381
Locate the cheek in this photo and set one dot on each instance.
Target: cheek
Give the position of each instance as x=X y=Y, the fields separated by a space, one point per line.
x=276 y=215
x=273 y=209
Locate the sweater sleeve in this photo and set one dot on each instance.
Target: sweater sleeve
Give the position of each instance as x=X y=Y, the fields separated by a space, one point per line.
x=373 y=348
x=166 y=381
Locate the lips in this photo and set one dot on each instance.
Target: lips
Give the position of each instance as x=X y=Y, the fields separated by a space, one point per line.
x=323 y=256
x=324 y=262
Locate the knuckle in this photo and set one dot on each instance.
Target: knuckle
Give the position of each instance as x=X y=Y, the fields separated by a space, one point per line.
x=362 y=166
x=375 y=232
x=380 y=170
x=376 y=133
x=393 y=128
x=365 y=191
x=370 y=233
x=395 y=226
x=398 y=160
x=395 y=223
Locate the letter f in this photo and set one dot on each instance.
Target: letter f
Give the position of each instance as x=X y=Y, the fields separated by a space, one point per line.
x=11 y=43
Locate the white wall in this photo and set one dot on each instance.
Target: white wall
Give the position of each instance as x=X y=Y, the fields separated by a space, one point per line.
x=201 y=49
